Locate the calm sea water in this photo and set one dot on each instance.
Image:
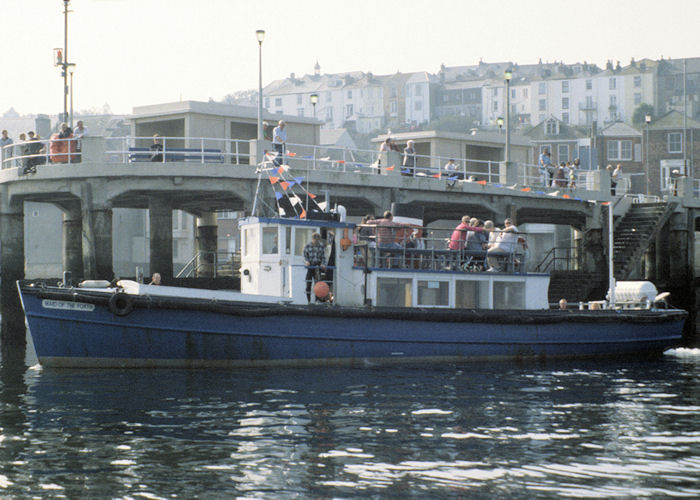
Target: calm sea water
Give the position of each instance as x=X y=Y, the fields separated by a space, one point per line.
x=575 y=429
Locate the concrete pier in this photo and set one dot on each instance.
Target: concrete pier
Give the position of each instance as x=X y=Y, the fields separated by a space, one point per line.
x=11 y=269
x=206 y=245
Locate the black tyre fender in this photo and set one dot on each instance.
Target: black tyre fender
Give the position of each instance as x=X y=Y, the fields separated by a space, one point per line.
x=120 y=304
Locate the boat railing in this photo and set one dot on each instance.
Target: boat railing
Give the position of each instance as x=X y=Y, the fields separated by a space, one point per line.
x=213 y=264
x=428 y=249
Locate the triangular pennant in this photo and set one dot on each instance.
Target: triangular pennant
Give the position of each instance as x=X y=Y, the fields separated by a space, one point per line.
x=312 y=196
x=498 y=185
x=436 y=176
x=340 y=161
x=526 y=190
x=405 y=171
x=290 y=153
x=291 y=183
x=452 y=178
x=390 y=168
x=278 y=195
x=299 y=180
x=273 y=180
x=302 y=215
x=284 y=185
x=565 y=196
x=483 y=183
x=276 y=171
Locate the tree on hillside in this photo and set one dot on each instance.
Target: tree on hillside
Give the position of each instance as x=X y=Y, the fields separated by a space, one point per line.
x=641 y=111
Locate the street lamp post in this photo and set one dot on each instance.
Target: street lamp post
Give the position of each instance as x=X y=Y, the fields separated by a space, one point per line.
x=65 y=60
x=71 y=69
x=508 y=75
x=260 y=34
x=314 y=100
x=647 y=121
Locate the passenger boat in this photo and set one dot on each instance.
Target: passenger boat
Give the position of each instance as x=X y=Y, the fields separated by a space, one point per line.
x=427 y=307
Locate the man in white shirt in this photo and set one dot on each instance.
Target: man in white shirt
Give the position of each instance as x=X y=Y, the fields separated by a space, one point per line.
x=279 y=140
x=503 y=247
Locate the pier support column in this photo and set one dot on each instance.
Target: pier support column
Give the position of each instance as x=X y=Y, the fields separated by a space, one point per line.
x=160 y=217
x=206 y=243
x=97 y=236
x=11 y=269
x=681 y=268
x=73 y=241
x=650 y=262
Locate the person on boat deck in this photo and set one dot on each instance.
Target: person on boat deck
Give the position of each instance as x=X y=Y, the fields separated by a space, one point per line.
x=502 y=246
x=386 y=235
x=314 y=260
x=155 y=279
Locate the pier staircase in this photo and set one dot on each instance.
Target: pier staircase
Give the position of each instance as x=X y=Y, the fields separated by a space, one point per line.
x=633 y=234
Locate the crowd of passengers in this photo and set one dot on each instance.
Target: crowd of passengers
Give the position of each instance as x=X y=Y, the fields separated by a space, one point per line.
x=474 y=245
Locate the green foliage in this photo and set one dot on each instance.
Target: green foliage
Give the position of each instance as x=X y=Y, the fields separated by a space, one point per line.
x=641 y=111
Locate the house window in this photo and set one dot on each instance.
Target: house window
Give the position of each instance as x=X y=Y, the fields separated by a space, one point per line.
x=620 y=150
x=300 y=111
x=329 y=113
x=525 y=92
x=445 y=98
x=564 y=103
x=612 y=84
x=543 y=88
x=394 y=106
x=278 y=101
x=419 y=91
x=418 y=105
x=513 y=93
x=637 y=81
x=551 y=127
x=589 y=102
x=675 y=142
x=299 y=99
x=563 y=153
x=495 y=105
x=589 y=84
x=267 y=102
x=613 y=100
x=329 y=96
x=349 y=94
x=565 y=86
x=393 y=92
x=348 y=110
x=543 y=105
x=637 y=98
x=565 y=117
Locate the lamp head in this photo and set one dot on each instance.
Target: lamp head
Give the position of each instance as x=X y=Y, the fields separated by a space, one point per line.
x=260 y=34
x=313 y=98
x=508 y=74
x=647 y=119
x=499 y=120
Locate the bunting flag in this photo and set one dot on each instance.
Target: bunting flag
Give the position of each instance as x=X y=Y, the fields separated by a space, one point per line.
x=605 y=203
x=291 y=153
x=291 y=183
x=436 y=176
x=540 y=192
x=276 y=171
x=308 y=157
x=311 y=195
x=278 y=195
x=452 y=178
x=299 y=180
x=498 y=185
x=483 y=183
x=302 y=215
x=405 y=171
x=284 y=185
x=526 y=190
x=341 y=161
x=565 y=196
x=273 y=180
x=391 y=168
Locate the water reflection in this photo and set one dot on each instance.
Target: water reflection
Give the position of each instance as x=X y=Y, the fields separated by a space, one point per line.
x=576 y=429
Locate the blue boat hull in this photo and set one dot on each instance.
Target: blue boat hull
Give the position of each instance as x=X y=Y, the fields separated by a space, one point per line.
x=167 y=335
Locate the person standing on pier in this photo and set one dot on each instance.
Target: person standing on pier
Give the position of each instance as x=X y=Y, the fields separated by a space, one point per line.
x=409 y=159
x=5 y=140
x=545 y=162
x=157 y=149
x=279 y=141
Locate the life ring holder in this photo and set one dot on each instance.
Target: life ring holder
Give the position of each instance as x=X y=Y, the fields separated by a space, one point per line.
x=120 y=304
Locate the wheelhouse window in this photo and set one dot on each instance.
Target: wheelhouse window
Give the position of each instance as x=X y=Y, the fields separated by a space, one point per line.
x=301 y=238
x=433 y=293
x=250 y=242
x=394 y=292
x=269 y=242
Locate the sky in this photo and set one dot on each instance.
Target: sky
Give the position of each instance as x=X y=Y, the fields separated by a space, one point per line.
x=136 y=52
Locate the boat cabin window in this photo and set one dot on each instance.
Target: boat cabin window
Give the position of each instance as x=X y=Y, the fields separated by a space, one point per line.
x=470 y=294
x=250 y=242
x=508 y=295
x=394 y=292
x=303 y=236
x=270 y=243
x=287 y=240
x=433 y=293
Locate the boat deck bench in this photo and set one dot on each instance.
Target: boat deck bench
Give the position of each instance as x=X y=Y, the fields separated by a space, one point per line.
x=206 y=155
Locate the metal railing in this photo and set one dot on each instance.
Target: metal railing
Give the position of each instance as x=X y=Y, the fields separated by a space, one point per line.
x=28 y=155
x=184 y=149
x=559 y=259
x=211 y=264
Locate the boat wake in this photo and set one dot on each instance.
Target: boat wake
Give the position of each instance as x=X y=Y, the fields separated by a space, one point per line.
x=684 y=352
